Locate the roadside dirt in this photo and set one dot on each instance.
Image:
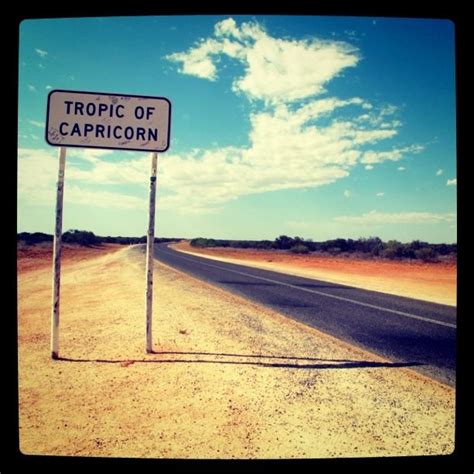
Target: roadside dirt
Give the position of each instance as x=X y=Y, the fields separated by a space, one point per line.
x=434 y=282
x=34 y=257
x=229 y=379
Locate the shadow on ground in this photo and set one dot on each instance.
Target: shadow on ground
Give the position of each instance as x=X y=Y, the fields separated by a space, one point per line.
x=258 y=360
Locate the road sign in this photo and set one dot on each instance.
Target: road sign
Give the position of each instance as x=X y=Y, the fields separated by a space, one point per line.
x=98 y=120
x=101 y=120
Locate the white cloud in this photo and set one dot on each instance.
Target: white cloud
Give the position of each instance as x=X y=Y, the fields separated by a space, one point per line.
x=368 y=167
x=37 y=169
x=88 y=154
x=31 y=88
x=37 y=174
x=439 y=172
x=392 y=124
x=299 y=145
x=197 y=61
x=380 y=194
x=227 y=27
x=36 y=123
x=41 y=52
x=105 y=199
x=280 y=70
x=401 y=168
x=389 y=109
x=48 y=87
x=452 y=182
x=393 y=155
x=347 y=193
x=375 y=217
x=276 y=70
x=134 y=171
x=288 y=149
x=378 y=116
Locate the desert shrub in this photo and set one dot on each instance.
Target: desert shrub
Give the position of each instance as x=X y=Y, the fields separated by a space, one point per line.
x=299 y=248
x=264 y=245
x=426 y=254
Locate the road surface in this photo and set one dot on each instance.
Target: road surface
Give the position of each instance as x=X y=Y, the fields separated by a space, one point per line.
x=415 y=332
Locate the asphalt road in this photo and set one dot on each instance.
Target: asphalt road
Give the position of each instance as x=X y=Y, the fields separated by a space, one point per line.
x=417 y=333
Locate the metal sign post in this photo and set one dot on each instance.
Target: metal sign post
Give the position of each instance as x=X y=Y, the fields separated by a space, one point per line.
x=110 y=121
x=149 y=255
x=57 y=256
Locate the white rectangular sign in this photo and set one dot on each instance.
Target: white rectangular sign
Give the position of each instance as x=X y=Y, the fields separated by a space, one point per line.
x=101 y=120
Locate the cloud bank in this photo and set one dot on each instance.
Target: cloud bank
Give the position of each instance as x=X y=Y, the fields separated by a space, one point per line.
x=300 y=137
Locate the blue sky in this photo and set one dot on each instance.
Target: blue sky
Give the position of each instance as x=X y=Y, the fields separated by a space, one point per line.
x=321 y=127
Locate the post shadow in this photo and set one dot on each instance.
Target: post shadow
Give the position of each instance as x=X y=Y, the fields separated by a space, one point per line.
x=290 y=362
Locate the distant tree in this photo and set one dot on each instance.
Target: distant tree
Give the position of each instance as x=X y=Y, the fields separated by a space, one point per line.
x=417 y=245
x=34 y=238
x=283 y=242
x=371 y=245
x=199 y=242
x=81 y=237
x=445 y=249
x=393 y=250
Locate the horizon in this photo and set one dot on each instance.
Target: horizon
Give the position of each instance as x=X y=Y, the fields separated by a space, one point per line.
x=305 y=239
x=327 y=127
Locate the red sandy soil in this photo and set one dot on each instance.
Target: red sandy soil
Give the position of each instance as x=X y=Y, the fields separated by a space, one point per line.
x=427 y=281
x=34 y=257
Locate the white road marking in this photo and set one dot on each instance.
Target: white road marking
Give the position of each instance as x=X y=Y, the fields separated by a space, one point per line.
x=321 y=293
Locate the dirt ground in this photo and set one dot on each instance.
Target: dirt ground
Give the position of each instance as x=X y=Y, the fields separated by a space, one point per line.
x=434 y=282
x=228 y=378
x=34 y=257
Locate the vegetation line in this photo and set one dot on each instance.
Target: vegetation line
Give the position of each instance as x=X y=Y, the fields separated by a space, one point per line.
x=84 y=237
x=372 y=247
